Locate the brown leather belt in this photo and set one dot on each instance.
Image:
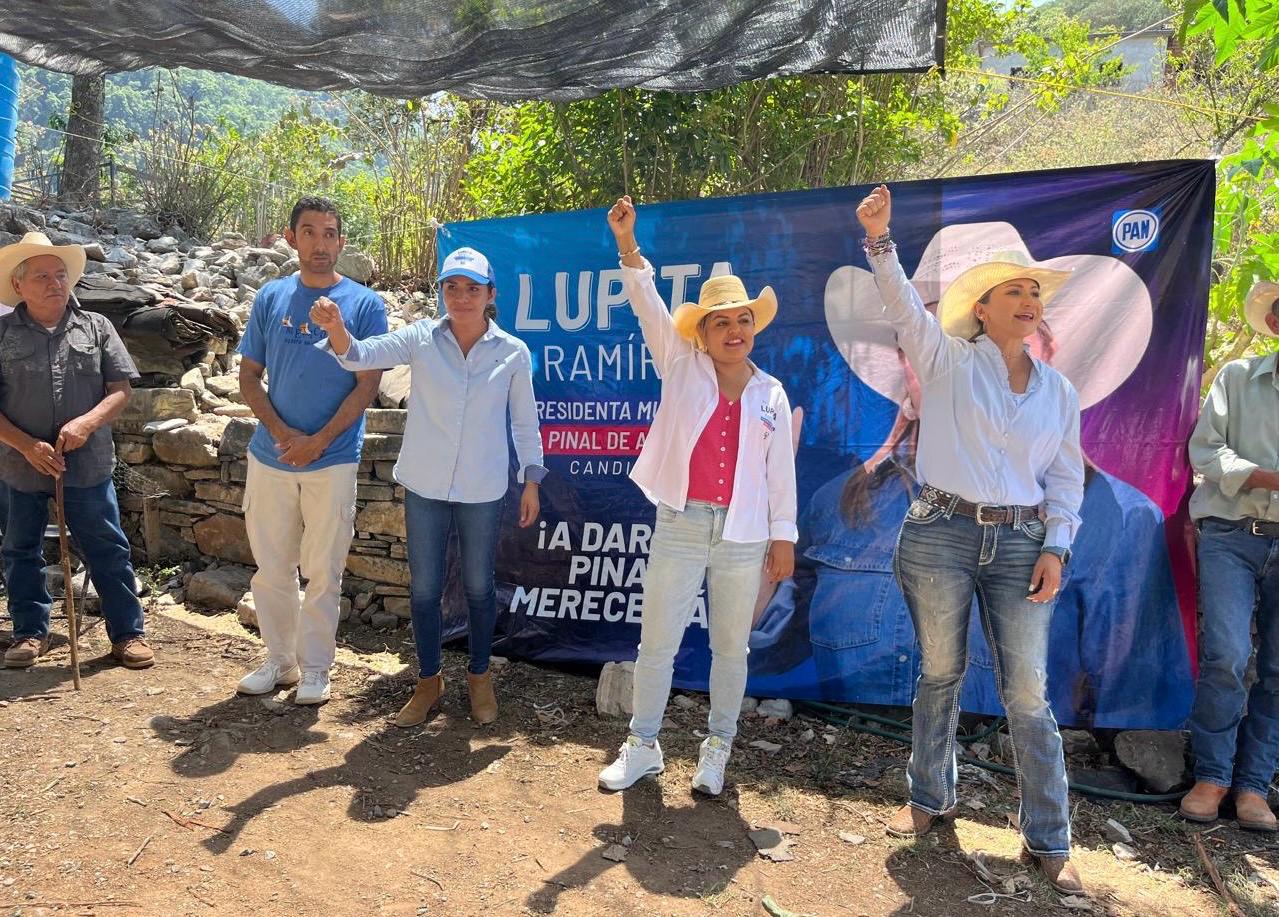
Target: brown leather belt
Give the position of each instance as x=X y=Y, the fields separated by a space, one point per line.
x=1258 y=527
x=984 y=513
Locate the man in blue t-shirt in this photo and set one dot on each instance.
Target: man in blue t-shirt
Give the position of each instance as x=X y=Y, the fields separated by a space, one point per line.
x=299 y=499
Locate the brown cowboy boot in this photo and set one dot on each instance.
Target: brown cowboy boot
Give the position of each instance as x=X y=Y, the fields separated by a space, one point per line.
x=483 y=700
x=1202 y=802
x=1058 y=870
x=1252 y=813
x=910 y=822
x=425 y=697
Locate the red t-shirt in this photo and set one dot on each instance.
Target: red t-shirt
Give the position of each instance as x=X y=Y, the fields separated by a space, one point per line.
x=714 y=459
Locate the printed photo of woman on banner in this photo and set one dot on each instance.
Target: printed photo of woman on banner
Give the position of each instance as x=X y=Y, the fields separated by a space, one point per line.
x=1125 y=328
x=1112 y=660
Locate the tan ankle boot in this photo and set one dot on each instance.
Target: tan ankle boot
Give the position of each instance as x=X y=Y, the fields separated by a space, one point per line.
x=1202 y=802
x=425 y=697
x=483 y=700
x=1252 y=813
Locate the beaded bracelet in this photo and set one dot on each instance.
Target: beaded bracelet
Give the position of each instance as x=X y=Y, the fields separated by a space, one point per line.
x=881 y=244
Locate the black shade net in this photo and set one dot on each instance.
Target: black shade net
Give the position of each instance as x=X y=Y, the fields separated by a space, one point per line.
x=497 y=49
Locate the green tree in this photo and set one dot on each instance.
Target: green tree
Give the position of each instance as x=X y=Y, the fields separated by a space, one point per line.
x=1245 y=45
x=769 y=135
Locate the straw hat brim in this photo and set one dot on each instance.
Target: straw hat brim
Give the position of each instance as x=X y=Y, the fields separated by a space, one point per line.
x=1258 y=303
x=12 y=255
x=957 y=309
x=689 y=315
x=1101 y=321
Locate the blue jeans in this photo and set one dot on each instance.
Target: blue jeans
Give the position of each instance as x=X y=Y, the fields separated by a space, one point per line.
x=1238 y=575
x=428 y=523
x=93 y=518
x=688 y=549
x=941 y=561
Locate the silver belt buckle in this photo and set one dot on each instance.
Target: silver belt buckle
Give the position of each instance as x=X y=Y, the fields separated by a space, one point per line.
x=981 y=508
x=1252 y=527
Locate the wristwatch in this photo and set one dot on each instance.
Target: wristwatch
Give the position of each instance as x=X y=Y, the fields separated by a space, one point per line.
x=1062 y=554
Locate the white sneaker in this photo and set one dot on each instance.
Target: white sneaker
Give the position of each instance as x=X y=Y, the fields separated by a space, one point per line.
x=269 y=676
x=314 y=688
x=634 y=760
x=709 y=777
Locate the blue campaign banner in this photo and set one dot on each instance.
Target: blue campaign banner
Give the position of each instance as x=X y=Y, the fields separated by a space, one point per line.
x=1137 y=240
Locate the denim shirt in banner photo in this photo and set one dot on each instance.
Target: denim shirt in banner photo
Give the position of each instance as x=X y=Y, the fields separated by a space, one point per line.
x=50 y=377
x=1117 y=652
x=455 y=443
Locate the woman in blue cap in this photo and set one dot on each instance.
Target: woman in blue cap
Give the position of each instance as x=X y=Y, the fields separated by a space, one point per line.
x=455 y=476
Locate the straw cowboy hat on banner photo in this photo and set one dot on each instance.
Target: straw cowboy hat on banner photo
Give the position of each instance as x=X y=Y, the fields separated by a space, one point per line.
x=1097 y=309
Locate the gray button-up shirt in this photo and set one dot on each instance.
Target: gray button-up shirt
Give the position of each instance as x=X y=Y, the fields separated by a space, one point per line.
x=1237 y=433
x=50 y=377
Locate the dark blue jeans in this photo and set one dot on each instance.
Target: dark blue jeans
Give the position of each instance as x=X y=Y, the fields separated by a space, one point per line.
x=1238 y=576
x=428 y=523
x=93 y=518
x=941 y=562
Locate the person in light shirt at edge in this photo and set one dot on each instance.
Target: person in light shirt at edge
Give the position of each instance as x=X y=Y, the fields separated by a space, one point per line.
x=454 y=474
x=1002 y=481
x=718 y=463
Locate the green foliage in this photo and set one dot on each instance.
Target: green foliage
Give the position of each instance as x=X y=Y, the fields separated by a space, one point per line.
x=769 y=135
x=1244 y=44
x=1124 y=16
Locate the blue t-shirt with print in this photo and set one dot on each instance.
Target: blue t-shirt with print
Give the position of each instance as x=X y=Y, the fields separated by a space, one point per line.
x=305 y=384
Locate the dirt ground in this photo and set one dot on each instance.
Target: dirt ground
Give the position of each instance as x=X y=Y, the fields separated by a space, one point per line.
x=162 y=793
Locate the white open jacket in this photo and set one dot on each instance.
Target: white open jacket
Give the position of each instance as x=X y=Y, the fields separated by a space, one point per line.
x=763 y=503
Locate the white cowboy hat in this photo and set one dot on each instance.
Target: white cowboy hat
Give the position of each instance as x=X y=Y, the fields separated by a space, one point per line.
x=1258 y=303
x=724 y=292
x=32 y=245
x=1100 y=315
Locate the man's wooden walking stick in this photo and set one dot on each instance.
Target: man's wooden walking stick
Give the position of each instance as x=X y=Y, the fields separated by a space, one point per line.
x=68 y=587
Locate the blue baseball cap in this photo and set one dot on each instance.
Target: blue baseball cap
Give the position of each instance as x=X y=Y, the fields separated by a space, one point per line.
x=467 y=262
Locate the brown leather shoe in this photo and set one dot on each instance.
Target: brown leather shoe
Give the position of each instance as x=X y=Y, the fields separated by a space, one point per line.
x=25 y=651
x=483 y=700
x=133 y=653
x=1059 y=871
x=909 y=822
x=425 y=697
x=1252 y=813
x=1202 y=802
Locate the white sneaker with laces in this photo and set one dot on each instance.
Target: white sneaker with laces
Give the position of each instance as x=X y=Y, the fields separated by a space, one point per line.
x=634 y=760
x=709 y=777
x=313 y=689
x=267 y=677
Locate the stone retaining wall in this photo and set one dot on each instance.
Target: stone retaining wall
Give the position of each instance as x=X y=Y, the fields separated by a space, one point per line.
x=196 y=474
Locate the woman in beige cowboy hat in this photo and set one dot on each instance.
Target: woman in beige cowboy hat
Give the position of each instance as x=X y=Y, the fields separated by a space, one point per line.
x=1001 y=475
x=719 y=464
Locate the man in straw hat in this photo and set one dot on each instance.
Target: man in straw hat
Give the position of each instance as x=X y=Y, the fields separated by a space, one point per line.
x=1237 y=510
x=64 y=377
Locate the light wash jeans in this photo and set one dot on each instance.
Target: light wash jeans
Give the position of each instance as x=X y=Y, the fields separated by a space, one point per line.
x=686 y=549
x=299 y=520
x=1238 y=578
x=941 y=562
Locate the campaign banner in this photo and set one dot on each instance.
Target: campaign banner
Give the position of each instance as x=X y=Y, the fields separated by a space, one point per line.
x=1127 y=329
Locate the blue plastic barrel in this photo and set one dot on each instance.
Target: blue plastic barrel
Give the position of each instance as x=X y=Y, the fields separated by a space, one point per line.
x=8 y=122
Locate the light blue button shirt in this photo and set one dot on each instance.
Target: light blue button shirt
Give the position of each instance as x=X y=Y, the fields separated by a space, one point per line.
x=455 y=444
x=977 y=438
